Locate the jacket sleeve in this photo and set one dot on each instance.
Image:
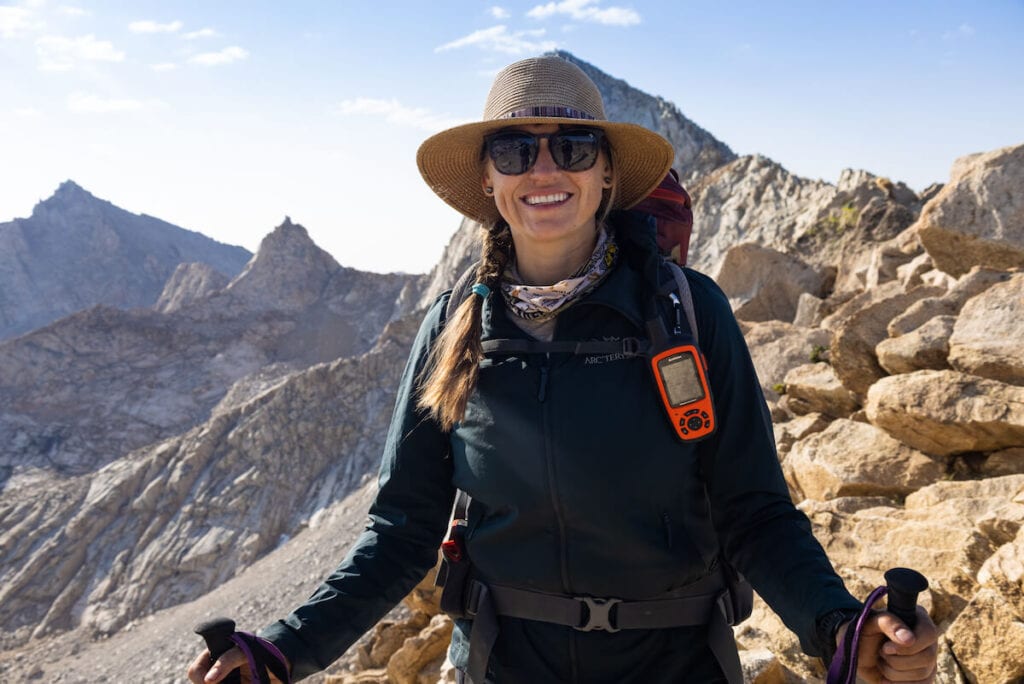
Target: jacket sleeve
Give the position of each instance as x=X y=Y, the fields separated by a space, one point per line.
x=399 y=545
x=761 y=532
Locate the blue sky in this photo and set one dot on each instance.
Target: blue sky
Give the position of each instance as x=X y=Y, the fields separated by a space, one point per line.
x=223 y=117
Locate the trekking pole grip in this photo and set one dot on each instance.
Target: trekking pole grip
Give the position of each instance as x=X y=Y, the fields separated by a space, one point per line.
x=216 y=632
x=903 y=586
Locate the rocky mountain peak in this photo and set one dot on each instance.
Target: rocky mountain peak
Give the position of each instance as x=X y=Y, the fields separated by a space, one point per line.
x=77 y=250
x=70 y=197
x=697 y=151
x=289 y=270
x=70 y=188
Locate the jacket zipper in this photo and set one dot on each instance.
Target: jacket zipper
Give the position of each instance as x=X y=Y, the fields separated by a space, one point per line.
x=549 y=457
x=556 y=504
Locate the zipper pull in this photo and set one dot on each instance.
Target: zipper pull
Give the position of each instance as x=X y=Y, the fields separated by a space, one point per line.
x=678 y=307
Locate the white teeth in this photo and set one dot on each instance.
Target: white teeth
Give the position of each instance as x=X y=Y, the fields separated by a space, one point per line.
x=547 y=199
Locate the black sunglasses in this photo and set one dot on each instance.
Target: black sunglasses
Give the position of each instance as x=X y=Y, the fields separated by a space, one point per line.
x=515 y=152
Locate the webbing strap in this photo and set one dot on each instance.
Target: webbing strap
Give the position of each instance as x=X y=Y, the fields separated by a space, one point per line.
x=587 y=613
x=461 y=290
x=843 y=669
x=723 y=645
x=263 y=657
x=629 y=346
x=699 y=605
x=685 y=298
x=482 y=637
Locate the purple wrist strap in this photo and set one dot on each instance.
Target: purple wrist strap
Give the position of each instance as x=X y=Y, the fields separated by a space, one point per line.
x=843 y=669
x=245 y=642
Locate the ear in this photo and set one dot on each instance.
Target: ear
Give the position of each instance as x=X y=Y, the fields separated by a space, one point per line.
x=608 y=179
x=485 y=183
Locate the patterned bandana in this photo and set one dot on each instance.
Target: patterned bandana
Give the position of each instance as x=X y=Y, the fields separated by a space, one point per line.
x=544 y=302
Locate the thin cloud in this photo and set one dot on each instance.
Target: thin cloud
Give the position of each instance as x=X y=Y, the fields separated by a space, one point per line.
x=201 y=33
x=164 y=66
x=225 y=56
x=27 y=112
x=70 y=11
x=147 y=26
x=94 y=104
x=500 y=12
x=586 y=10
x=961 y=32
x=14 y=21
x=396 y=113
x=499 y=39
x=57 y=53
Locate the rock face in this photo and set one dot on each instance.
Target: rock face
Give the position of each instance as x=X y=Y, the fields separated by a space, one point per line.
x=172 y=520
x=765 y=285
x=946 y=412
x=76 y=251
x=98 y=384
x=189 y=283
x=754 y=199
x=986 y=337
x=978 y=218
x=213 y=447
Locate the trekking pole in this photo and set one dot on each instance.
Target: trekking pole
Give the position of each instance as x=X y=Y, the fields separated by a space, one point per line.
x=904 y=585
x=216 y=632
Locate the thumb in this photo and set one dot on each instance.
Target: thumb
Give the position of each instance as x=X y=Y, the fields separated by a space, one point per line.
x=895 y=629
x=232 y=659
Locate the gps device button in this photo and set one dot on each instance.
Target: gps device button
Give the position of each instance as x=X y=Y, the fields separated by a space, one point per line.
x=694 y=423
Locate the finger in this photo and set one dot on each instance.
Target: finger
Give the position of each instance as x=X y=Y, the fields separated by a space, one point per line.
x=233 y=658
x=925 y=637
x=197 y=670
x=921 y=674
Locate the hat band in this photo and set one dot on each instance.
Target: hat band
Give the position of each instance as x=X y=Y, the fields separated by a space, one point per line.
x=554 y=111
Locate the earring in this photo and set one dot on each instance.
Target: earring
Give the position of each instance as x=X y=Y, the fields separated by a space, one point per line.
x=488 y=190
x=607 y=180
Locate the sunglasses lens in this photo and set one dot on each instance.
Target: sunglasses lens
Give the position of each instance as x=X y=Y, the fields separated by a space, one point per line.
x=513 y=153
x=575 y=150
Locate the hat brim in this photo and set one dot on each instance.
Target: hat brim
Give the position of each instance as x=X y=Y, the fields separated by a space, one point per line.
x=451 y=162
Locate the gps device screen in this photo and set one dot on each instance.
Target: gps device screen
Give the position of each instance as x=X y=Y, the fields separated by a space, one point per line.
x=682 y=384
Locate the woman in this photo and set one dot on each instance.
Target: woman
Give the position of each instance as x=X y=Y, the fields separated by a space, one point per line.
x=585 y=497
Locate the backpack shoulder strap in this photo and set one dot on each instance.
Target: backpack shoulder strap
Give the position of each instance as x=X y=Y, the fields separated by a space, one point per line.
x=685 y=297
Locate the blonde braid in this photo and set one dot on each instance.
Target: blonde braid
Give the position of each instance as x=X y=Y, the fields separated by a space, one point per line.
x=454 y=362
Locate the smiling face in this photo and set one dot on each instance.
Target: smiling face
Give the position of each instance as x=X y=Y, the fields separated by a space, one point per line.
x=551 y=212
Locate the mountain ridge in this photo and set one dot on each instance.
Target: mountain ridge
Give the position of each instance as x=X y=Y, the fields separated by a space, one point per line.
x=76 y=250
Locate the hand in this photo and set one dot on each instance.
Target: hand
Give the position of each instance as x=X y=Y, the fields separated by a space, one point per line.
x=890 y=652
x=202 y=671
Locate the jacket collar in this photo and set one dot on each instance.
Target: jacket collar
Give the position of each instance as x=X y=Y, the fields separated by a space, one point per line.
x=622 y=290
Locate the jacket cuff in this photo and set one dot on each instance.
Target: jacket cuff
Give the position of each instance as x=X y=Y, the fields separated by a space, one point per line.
x=292 y=647
x=827 y=626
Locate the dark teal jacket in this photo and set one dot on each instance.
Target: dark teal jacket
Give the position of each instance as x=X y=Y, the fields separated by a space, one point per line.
x=580 y=487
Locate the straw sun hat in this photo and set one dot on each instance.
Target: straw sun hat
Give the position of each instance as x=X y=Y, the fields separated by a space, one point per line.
x=541 y=90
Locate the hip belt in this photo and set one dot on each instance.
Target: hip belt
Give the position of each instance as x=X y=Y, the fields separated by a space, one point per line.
x=705 y=602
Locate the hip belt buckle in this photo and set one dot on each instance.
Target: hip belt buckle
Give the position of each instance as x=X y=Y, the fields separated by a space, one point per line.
x=598 y=613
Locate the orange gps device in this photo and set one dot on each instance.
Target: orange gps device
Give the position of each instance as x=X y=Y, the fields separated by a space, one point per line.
x=683 y=384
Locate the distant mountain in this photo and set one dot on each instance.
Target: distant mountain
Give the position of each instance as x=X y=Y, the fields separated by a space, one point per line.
x=698 y=153
x=76 y=251
x=91 y=387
